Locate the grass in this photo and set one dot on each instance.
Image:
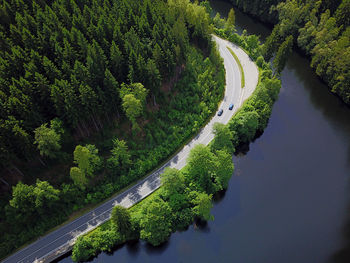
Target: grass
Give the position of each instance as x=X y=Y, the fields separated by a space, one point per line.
x=240 y=67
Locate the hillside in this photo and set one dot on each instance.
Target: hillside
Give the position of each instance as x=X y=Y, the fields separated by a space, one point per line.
x=93 y=96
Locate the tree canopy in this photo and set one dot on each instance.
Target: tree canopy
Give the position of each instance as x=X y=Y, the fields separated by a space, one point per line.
x=48 y=141
x=283 y=53
x=156 y=222
x=68 y=60
x=321 y=30
x=223 y=138
x=121 y=220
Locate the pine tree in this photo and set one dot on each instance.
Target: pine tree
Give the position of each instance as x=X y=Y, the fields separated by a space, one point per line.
x=282 y=55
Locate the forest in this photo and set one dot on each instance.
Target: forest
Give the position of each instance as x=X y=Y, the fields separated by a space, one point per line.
x=319 y=28
x=186 y=195
x=88 y=101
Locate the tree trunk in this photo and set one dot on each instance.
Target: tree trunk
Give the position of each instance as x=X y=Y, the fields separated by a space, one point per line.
x=154 y=100
x=42 y=162
x=108 y=119
x=2 y=180
x=93 y=120
x=99 y=121
x=10 y=171
x=80 y=130
x=86 y=129
x=18 y=170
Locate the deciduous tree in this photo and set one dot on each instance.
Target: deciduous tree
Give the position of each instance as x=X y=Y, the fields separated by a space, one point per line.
x=121 y=220
x=87 y=159
x=120 y=156
x=47 y=140
x=223 y=138
x=156 y=222
x=78 y=177
x=200 y=168
x=202 y=205
x=132 y=107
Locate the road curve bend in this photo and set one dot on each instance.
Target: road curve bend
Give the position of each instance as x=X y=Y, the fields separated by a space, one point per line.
x=54 y=244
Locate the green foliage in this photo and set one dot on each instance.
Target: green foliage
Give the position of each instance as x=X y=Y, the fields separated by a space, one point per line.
x=156 y=222
x=283 y=53
x=163 y=129
x=45 y=195
x=23 y=197
x=224 y=168
x=218 y=21
x=245 y=124
x=271 y=44
x=342 y=14
x=202 y=205
x=260 y=8
x=254 y=115
x=48 y=141
x=207 y=171
x=174 y=191
x=260 y=61
x=79 y=177
x=87 y=159
x=133 y=100
x=132 y=107
x=172 y=181
x=230 y=22
x=120 y=158
x=61 y=62
x=253 y=46
x=321 y=29
x=101 y=240
x=239 y=66
x=67 y=62
x=30 y=201
x=223 y=138
x=121 y=220
x=200 y=169
x=83 y=249
x=181 y=197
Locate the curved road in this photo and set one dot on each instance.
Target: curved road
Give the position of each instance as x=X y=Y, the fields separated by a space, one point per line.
x=61 y=240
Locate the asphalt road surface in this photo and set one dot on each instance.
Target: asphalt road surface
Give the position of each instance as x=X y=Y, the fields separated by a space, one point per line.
x=45 y=248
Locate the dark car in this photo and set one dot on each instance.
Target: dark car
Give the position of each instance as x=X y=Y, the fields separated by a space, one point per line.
x=220 y=112
x=231 y=106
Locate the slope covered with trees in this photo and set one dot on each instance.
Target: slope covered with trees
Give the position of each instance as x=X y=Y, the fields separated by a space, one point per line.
x=68 y=59
x=95 y=94
x=320 y=28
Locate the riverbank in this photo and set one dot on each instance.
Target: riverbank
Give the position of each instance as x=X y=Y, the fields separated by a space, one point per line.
x=290 y=190
x=244 y=114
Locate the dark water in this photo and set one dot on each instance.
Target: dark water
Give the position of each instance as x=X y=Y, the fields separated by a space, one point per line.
x=289 y=200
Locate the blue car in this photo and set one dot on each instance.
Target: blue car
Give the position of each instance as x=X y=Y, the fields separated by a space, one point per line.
x=220 y=112
x=231 y=106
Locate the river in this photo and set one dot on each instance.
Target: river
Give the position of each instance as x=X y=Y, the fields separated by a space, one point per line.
x=289 y=199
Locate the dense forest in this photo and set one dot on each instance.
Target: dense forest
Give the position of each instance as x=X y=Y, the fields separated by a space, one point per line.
x=68 y=60
x=95 y=94
x=320 y=28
